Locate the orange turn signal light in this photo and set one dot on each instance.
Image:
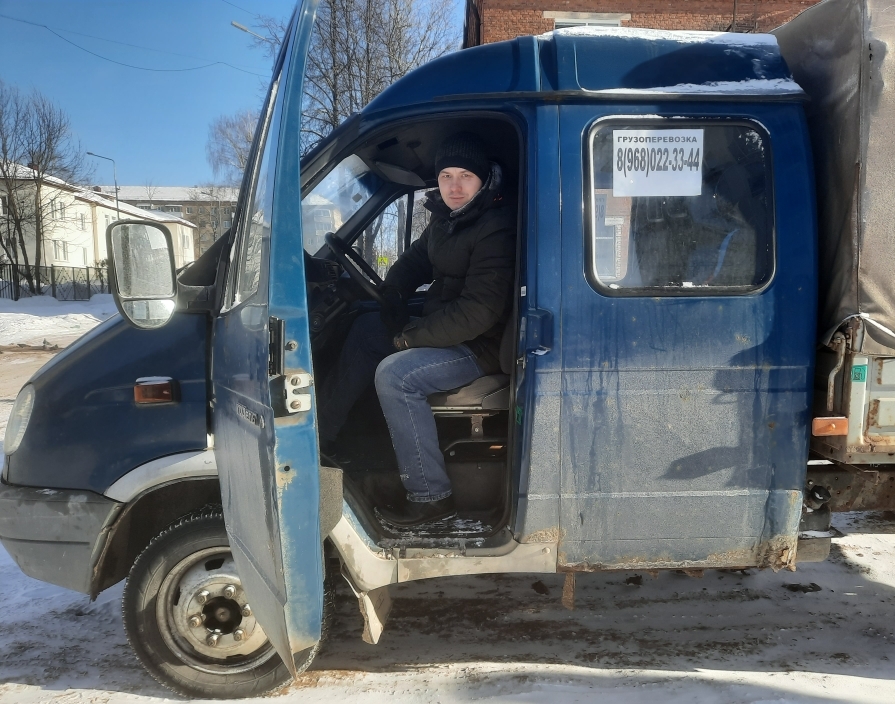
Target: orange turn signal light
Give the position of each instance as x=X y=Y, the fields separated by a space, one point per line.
x=832 y=425
x=155 y=389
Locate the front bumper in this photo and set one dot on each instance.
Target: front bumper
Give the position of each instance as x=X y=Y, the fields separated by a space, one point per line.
x=55 y=535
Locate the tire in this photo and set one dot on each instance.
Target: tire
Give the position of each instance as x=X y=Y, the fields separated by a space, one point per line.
x=164 y=591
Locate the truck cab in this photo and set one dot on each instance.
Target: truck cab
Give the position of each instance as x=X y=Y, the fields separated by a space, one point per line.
x=654 y=406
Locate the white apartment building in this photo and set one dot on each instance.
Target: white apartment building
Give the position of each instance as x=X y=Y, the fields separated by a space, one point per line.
x=74 y=222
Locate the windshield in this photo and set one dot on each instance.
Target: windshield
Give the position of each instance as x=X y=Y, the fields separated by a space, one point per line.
x=335 y=199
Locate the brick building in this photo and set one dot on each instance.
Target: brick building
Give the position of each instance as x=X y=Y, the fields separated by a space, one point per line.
x=495 y=20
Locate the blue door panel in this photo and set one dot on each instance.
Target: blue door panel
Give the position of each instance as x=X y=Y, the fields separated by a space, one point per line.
x=268 y=459
x=538 y=391
x=684 y=419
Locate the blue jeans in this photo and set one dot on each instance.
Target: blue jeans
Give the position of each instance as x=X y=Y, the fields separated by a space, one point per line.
x=403 y=381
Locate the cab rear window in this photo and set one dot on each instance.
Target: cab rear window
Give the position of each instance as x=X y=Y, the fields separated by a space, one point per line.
x=680 y=208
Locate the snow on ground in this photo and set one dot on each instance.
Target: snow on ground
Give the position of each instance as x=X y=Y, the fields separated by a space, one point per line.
x=35 y=322
x=825 y=633
x=32 y=320
x=754 y=636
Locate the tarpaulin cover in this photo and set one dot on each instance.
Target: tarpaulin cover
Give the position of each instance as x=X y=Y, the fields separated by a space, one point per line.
x=840 y=52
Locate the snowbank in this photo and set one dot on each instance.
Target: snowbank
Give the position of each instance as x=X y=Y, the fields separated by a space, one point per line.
x=32 y=320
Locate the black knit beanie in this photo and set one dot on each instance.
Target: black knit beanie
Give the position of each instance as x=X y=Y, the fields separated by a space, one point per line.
x=463 y=150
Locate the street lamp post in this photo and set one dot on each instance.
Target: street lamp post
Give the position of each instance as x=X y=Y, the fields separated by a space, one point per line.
x=243 y=28
x=114 y=179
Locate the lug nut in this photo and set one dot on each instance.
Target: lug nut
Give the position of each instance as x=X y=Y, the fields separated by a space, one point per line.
x=246 y=610
x=229 y=591
x=202 y=597
x=239 y=634
x=213 y=639
x=195 y=621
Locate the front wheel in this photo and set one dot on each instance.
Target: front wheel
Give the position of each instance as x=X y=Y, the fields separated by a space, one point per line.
x=190 y=622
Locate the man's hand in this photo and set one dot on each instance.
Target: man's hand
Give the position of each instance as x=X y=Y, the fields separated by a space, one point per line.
x=400 y=342
x=393 y=313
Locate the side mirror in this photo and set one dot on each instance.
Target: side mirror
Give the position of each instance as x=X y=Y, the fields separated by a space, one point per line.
x=142 y=271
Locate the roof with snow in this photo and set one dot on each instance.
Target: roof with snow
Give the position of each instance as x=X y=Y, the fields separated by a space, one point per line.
x=130 y=211
x=106 y=200
x=611 y=62
x=172 y=194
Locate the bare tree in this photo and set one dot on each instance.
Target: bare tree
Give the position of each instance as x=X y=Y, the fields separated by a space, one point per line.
x=272 y=31
x=151 y=191
x=229 y=143
x=358 y=48
x=220 y=200
x=37 y=148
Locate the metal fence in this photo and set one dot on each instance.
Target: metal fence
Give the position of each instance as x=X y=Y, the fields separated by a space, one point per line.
x=65 y=283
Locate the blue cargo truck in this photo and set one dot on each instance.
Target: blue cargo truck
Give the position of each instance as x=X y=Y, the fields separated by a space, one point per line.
x=699 y=368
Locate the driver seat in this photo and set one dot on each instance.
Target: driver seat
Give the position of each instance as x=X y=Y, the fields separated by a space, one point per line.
x=485 y=396
x=487 y=393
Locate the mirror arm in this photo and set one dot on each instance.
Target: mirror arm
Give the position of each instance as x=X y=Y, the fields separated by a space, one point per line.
x=195 y=299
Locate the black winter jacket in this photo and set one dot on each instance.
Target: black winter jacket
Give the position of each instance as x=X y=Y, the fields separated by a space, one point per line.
x=470 y=262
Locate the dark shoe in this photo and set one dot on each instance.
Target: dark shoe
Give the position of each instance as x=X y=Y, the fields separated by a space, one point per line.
x=417 y=513
x=330 y=455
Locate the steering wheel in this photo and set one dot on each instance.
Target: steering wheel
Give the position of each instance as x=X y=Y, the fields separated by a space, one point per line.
x=365 y=276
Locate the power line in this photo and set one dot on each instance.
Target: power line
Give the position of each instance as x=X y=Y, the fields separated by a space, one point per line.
x=227 y=2
x=136 y=46
x=111 y=41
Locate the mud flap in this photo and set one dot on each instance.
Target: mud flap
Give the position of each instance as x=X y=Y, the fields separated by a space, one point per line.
x=375 y=606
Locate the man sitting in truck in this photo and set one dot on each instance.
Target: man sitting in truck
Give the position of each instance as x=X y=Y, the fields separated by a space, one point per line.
x=467 y=254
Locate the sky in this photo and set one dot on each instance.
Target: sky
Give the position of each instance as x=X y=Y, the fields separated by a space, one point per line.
x=153 y=123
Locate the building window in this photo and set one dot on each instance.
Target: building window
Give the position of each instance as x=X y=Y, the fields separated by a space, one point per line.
x=60 y=250
x=4 y=204
x=201 y=210
x=682 y=210
x=187 y=243
x=82 y=221
x=108 y=220
x=174 y=208
x=563 y=20
x=190 y=210
x=226 y=224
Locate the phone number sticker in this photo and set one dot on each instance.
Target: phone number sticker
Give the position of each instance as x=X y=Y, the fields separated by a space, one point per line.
x=657 y=162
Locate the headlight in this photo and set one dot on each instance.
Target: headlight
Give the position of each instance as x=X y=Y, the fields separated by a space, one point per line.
x=18 y=419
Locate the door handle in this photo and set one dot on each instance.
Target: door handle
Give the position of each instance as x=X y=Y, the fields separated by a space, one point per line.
x=538 y=331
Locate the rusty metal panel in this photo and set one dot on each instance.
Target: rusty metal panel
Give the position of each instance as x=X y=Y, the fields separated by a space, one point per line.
x=856 y=489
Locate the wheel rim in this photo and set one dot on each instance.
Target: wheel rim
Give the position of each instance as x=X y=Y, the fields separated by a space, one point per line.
x=205 y=618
